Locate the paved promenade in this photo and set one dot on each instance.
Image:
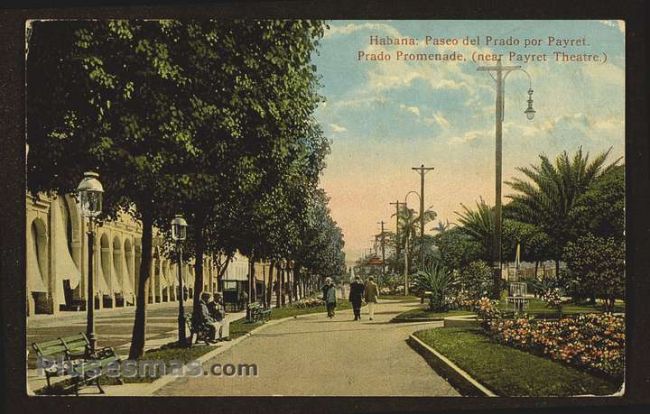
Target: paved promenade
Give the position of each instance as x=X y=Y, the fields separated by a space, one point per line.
x=314 y=356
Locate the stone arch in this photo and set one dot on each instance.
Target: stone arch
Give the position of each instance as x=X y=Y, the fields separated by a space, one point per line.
x=73 y=231
x=137 y=249
x=118 y=271
x=154 y=291
x=129 y=270
x=167 y=285
x=38 y=267
x=105 y=267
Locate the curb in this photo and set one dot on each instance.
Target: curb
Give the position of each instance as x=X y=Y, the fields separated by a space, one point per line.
x=461 y=321
x=395 y=320
x=457 y=377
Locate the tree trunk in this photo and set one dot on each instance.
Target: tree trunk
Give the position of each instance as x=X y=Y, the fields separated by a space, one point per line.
x=557 y=269
x=298 y=277
x=290 y=285
x=253 y=281
x=139 y=324
x=198 y=266
x=222 y=270
x=269 y=288
x=278 y=286
x=283 y=287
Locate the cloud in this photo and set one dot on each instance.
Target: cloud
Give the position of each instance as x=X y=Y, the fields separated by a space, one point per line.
x=412 y=109
x=441 y=120
x=338 y=128
x=619 y=24
x=467 y=137
x=336 y=30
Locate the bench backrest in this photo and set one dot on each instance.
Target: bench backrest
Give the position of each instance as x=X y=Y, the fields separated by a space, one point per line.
x=68 y=344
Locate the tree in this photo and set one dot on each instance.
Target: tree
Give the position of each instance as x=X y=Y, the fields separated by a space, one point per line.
x=88 y=84
x=409 y=233
x=228 y=124
x=479 y=225
x=601 y=209
x=476 y=279
x=598 y=265
x=549 y=193
x=456 y=249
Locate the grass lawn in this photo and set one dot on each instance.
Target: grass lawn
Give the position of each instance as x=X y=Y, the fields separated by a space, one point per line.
x=508 y=371
x=423 y=313
x=537 y=307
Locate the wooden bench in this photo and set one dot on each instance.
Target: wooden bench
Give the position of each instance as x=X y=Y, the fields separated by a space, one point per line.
x=71 y=356
x=201 y=331
x=258 y=313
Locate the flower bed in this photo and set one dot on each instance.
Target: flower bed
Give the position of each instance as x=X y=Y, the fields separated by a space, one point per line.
x=308 y=303
x=595 y=342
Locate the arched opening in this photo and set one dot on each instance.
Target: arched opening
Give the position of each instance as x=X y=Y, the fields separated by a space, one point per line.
x=37 y=267
x=118 y=272
x=154 y=278
x=66 y=268
x=105 y=277
x=136 y=268
x=129 y=257
x=165 y=280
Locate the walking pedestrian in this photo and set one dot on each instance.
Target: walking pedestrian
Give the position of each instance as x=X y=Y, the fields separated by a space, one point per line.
x=329 y=296
x=356 y=296
x=372 y=291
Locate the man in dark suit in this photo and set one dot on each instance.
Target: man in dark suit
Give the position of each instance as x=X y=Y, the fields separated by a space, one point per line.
x=356 y=296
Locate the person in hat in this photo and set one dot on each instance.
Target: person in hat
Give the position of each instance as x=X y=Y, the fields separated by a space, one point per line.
x=356 y=296
x=329 y=296
x=371 y=294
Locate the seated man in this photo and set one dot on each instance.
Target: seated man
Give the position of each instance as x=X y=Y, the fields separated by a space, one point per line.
x=206 y=318
x=218 y=312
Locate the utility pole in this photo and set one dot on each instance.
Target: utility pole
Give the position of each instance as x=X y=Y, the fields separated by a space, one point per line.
x=397 y=249
x=422 y=170
x=383 y=250
x=501 y=73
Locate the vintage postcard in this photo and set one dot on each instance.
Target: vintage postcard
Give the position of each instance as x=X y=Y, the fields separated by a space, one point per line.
x=260 y=207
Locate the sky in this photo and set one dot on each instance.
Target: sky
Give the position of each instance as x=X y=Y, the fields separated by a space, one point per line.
x=384 y=117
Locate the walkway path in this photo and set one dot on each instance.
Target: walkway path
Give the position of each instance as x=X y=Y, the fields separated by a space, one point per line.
x=312 y=355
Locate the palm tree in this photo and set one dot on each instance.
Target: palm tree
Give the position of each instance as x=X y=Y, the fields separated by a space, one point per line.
x=549 y=191
x=479 y=225
x=442 y=227
x=410 y=229
x=439 y=281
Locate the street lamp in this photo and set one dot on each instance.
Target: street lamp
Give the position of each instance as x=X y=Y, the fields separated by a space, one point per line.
x=502 y=73
x=179 y=234
x=406 y=252
x=530 y=112
x=90 y=197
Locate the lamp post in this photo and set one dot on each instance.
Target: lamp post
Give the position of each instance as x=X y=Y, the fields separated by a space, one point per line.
x=406 y=252
x=502 y=73
x=179 y=234
x=90 y=197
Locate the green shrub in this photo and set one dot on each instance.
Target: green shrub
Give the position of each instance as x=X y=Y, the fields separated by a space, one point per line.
x=477 y=280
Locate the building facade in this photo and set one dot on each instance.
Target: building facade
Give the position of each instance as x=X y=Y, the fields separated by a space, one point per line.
x=57 y=261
